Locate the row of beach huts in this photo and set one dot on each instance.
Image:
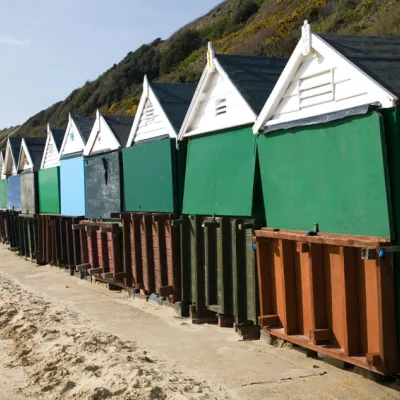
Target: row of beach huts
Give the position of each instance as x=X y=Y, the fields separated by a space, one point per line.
x=266 y=198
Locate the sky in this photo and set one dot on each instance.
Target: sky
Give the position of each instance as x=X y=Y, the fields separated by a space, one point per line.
x=50 y=47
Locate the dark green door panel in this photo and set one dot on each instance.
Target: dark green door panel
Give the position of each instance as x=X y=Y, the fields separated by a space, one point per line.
x=220 y=174
x=49 y=190
x=333 y=174
x=3 y=193
x=153 y=175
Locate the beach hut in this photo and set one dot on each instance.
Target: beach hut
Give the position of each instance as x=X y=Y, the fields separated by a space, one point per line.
x=328 y=148
x=103 y=170
x=30 y=158
x=222 y=192
x=10 y=171
x=154 y=166
x=3 y=183
x=72 y=172
x=221 y=166
x=49 y=173
x=154 y=170
x=324 y=124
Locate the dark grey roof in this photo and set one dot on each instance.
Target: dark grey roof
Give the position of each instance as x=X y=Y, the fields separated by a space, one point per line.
x=15 y=144
x=58 y=135
x=121 y=127
x=85 y=125
x=254 y=77
x=36 y=147
x=175 y=100
x=377 y=56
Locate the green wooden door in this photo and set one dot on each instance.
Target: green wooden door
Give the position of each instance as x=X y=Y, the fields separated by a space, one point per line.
x=220 y=174
x=332 y=174
x=49 y=190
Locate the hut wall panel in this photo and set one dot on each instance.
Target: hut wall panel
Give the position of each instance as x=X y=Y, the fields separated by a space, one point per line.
x=3 y=193
x=220 y=174
x=151 y=177
x=14 y=192
x=333 y=174
x=29 y=193
x=72 y=186
x=103 y=185
x=49 y=190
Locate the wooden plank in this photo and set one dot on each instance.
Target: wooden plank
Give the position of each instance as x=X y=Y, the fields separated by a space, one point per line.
x=264 y=278
x=323 y=238
x=350 y=302
x=388 y=346
x=317 y=286
x=289 y=318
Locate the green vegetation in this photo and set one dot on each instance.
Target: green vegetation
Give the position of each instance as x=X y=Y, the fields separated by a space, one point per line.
x=251 y=27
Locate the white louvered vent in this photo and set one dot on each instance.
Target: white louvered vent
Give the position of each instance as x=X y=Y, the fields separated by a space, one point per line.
x=316 y=89
x=149 y=115
x=220 y=107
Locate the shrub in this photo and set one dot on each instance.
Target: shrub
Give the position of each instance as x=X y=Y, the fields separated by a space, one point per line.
x=180 y=48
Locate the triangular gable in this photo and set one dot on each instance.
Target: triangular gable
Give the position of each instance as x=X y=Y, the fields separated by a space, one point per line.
x=51 y=156
x=217 y=104
x=73 y=141
x=150 y=119
x=101 y=138
x=25 y=160
x=319 y=80
x=2 y=176
x=10 y=165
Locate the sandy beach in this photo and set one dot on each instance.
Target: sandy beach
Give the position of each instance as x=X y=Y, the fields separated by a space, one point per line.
x=65 y=338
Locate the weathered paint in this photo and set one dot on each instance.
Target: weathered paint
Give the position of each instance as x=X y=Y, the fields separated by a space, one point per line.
x=49 y=190
x=151 y=177
x=72 y=186
x=14 y=192
x=29 y=194
x=220 y=174
x=331 y=174
x=3 y=193
x=103 y=185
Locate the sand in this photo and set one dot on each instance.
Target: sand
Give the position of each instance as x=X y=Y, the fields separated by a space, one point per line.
x=64 y=338
x=62 y=358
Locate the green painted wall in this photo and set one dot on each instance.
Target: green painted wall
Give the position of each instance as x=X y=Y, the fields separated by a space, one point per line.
x=220 y=174
x=332 y=174
x=151 y=176
x=49 y=190
x=3 y=193
x=392 y=134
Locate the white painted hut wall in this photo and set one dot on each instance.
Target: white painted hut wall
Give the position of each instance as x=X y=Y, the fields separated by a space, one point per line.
x=217 y=90
x=151 y=123
x=11 y=169
x=51 y=158
x=319 y=87
x=24 y=161
x=73 y=140
x=105 y=139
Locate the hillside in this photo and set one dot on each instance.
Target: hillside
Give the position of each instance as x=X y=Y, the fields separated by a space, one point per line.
x=251 y=27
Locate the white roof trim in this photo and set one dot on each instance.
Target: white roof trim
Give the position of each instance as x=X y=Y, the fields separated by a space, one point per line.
x=148 y=93
x=24 y=148
x=71 y=125
x=49 y=135
x=385 y=97
x=8 y=154
x=212 y=65
x=95 y=131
